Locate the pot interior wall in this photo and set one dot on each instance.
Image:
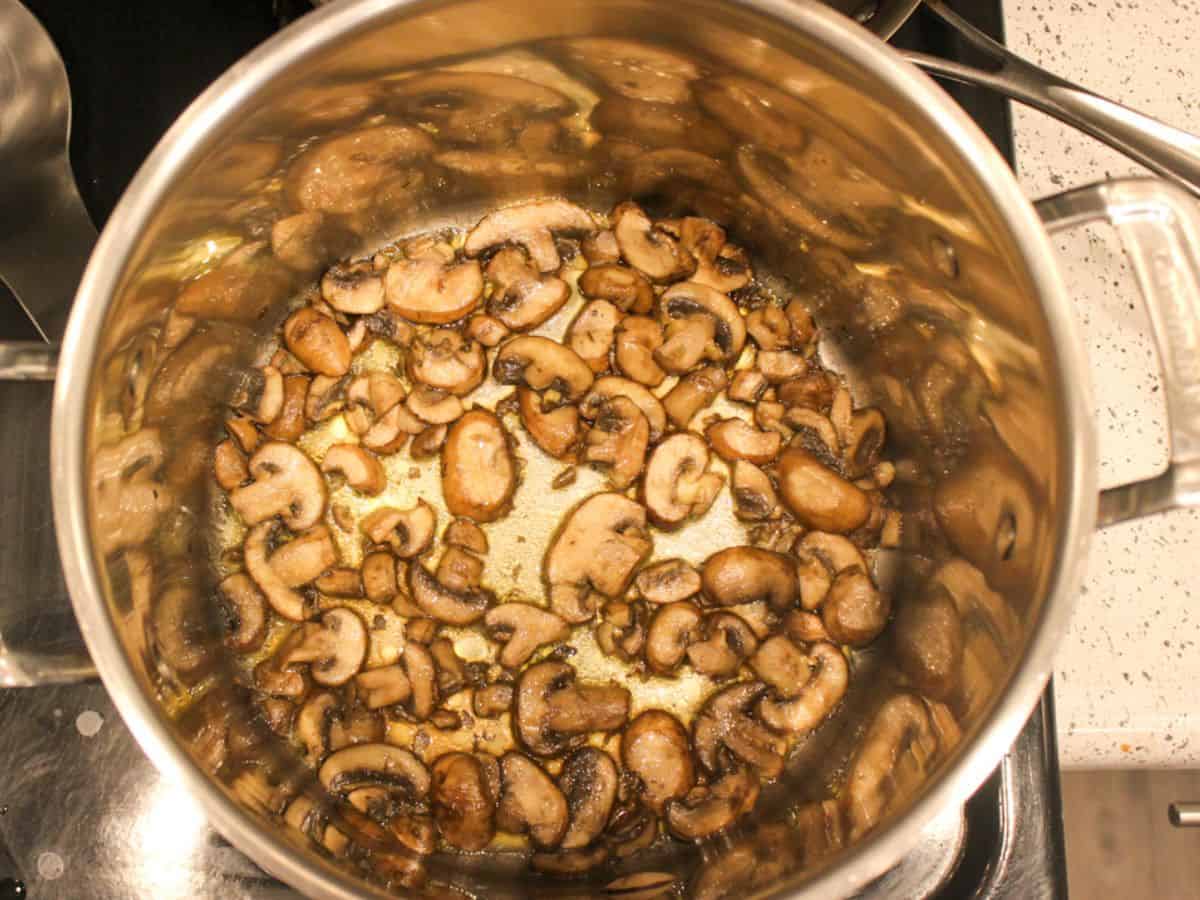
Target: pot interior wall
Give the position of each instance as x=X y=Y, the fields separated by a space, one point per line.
x=846 y=196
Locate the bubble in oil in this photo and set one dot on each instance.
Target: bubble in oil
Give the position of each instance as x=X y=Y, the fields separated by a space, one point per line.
x=12 y=889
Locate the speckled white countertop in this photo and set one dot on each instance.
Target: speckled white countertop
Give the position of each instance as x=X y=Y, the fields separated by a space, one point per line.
x=1127 y=682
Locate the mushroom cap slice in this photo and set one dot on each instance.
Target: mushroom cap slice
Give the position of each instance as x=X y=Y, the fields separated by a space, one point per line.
x=552 y=713
x=366 y=765
x=618 y=441
x=312 y=725
x=819 y=497
x=705 y=811
x=523 y=627
x=385 y=686
x=668 y=581
x=556 y=431
x=591 y=335
x=429 y=291
x=754 y=496
x=691 y=298
x=622 y=286
x=283 y=599
x=286 y=483
x=440 y=602
x=726 y=725
x=727 y=642
x=855 y=611
x=738 y=575
x=530 y=802
x=245 y=612
x=693 y=392
x=823 y=690
x=655 y=748
x=446 y=360
x=672 y=628
x=677 y=485
x=648 y=248
x=596 y=551
x=522 y=297
x=543 y=364
x=479 y=474
x=589 y=781
x=355 y=288
x=782 y=665
x=317 y=341
x=463 y=806
x=735 y=439
x=532 y=225
x=360 y=466
x=409 y=532
x=335 y=648
x=611 y=386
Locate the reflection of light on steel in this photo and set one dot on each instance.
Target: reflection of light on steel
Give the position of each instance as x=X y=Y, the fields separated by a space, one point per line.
x=165 y=838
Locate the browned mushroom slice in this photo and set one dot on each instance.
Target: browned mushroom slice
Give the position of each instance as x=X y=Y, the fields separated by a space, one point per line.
x=522 y=298
x=782 y=665
x=829 y=675
x=522 y=628
x=738 y=575
x=812 y=391
x=385 y=686
x=631 y=829
x=819 y=497
x=553 y=713
x=245 y=613
x=610 y=386
x=754 y=496
x=769 y=327
x=747 y=386
x=725 y=641
x=286 y=483
x=379 y=577
x=555 y=430
x=804 y=627
x=487 y=330
x=355 y=726
x=530 y=802
x=655 y=748
x=361 y=468
x=445 y=360
x=693 y=393
x=734 y=439
x=441 y=603
x=355 y=288
x=673 y=627
x=668 y=581
x=649 y=249
x=589 y=781
x=262 y=396
x=726 y=725
x=687 y=342
x=533 y=226
x=478 y=471
x=408 y=532
x=677 y=486
x=595 y=553
x=422 y=677
x=622 y=631
x=273 y=677
x=342 y=175
x=706 y=810
x=317 y=341
x=466 y=534
x=283 y=599
x=600 y=247
x=778 y=366
x=638 y=338
x=312 y=725
x=463 y=806
x=690 y=299
x=334 y=649
x=543 y=365
x=326 y=397
x=475 y=107
x=433 y=290
x=492 y=701
x=370 y=397
x=618 y=441
x=855 y=611
x=459 y=570
x=229 y=466
x=367 y=765
x=633 y=69
x=592 y=333
x=720 y=266
x=242 y=429
x=862 y=439
x=622 y=286
x=433 y=406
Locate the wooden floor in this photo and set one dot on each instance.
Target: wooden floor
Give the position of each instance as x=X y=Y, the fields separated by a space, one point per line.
x=1119 y=843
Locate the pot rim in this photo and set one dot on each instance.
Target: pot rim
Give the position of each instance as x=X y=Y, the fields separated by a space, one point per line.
x=225 y=99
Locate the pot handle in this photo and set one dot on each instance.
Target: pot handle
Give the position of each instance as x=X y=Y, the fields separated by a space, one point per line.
x=1159 y=227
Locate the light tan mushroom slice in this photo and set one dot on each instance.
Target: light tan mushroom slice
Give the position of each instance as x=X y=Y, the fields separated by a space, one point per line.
x=600 y=247
x=655 y=748
x=385 y=686
x=272 y=677
x=622 y=631
x=589 y=781
x=487 y=330
x=724 y=643
x=522 y=628
x=466 y=534
x=638 y=338
x=317 y=341
x=459 y=570
x=305 y=557
x=592 y=333
x=433 y=406
x=819 y=497
x=342 y=175
x=556 y=430
x=446 y=360
x=553 y=712
x=738 y=575
x=618 y=441
x=262 y=398
x=694 y=392
x=855 y=611
x=492 y=701
x=431 y=291
x=326 y=397
x=392 y=430
x=747 y=386
x=635 y=70
x=778 y=366
x=530 y=802
x=369 y=397
x=243 y=432
x=533 y=226
x=812 y=391
x=283 y=599
x=678 y=485
x=754 y=496
x=625 y=288
x=361 y=468
x=408 y=532
x=595 y=553
x=735 y=439
x=422 y=676
x=286 y=483
x=672 y=628
x=649 y=249
x=704 y=811
x=862 y=439
x=542 y=364
x=522 y=297
x=689 y=299
x=244 y=612
x=726 y=727
x=368 y=765
x=813 y=432
x=355 y=288
x=668 y=582
x=782 y=665
x=479 y=474
x=828 y=678
x=688 y=341
x=610 y=386
x=443 y=604
x=464 y=807
x=379 y=577
x=229 y=466
x=334 y=649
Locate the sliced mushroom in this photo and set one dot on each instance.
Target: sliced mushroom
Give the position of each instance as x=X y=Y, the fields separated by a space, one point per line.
x=689 y=299
x=693 y=393
x=734 y=439
x=724 y=642
x=355 y=726
x=487 y=330
x=638 y=338
x=466 y=534
x=813 y=391
x=622 y=631
x=726 y=726
x=522 y=297
x=555 y=430
x=648 y=248
x=655 y=748
x=273 y=677
x=747 y=386
x=688 y=340
x=668 y=582
x=408 y=532
x=677 y=486
x=778 y=366
x=463 y=806
x=354 y=288
x=379 y=577
x=542 y=364
x=445 y=360
x=340 y=583
x=242 y=429
x=862 y=439
x=305 y=557
x=782 y=665
x=622 y=286
x=229 y=466
x=618 y=440
x=433 y=406
x=553 y=713
x=283 y=599
x=286 y=483
x=706 y=810
x=530 y=802
x=595 y=552
x=370 y=397
x=312 y=725
x=262 y=399
x=738 y=575
x=929 y=640
x=334 y=649
x=600 y=247
x=672 y=629
x=385 y=686
x=533 y=226
x=422 y=677
x=361 y=469
x=492 y=701
x=592 y=333
x=819 y=694
x=459 y=570
x=317 y=341
x=754 y=497
x=814 y=433
x=855 y=610
x=819 y=497
x=478 y=471
x=440 y=602
x=244 y=611
x=522 y=628
x=589 y=781
x=326 y=397
x=368 y=765
x=431 y=291
x=611 y=386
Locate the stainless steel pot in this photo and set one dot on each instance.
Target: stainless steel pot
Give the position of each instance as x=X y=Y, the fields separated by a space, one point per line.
x=907 y=232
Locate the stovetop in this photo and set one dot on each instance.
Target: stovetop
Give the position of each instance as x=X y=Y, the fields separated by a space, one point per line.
x=83 y=814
